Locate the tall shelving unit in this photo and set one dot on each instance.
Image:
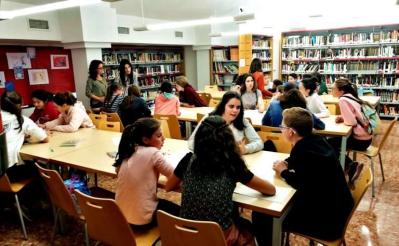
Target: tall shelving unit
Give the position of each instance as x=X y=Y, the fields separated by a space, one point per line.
x=256 y=46
x=368 y=56
x=151 y=65
x=224 y=65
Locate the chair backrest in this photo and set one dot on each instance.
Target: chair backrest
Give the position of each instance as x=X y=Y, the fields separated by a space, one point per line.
x=5 y=184
x=206 y=97
x=59 y=195
x=177 y=231
x=97 y=118
x=211 y=88
x=105 y=221
x=214 y=102
x=387 y=132
x=172 y=125
x=109 y=126
x=112 y=117
x=278 y=140
x=200 y=117
x=332 y=108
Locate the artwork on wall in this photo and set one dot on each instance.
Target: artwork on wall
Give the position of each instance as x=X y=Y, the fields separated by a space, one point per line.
x=18 y=72
x=18 y=60
x=2 y=80
x=59 y=62
x=38 y=76
x=31 y=52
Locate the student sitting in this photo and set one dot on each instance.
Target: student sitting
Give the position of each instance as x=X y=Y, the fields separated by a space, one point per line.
x=276 y=84
x=351 y=115
x=314 y=102
x=133 y=107
x=18 y=128
x=251 y=97
x=209 y=177
x=45 y=109
x=166 y=102
x=322 y=202
x=139 y=163
x=231 y=110
x=292 y=79
x=73 y=114
x=187 y=94
x=256 y=70
x=113 y=98
x=292 y=98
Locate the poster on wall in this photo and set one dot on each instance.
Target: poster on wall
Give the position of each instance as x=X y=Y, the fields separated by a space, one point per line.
x=19 y=72
x=59 y=62
x=31 y=52
x=18 y=60
x=38 y=76
x=2 y=80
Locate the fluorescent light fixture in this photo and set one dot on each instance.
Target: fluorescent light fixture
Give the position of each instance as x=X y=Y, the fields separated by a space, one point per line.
x=45 y=8
x=244 y=17
x=140 y=28
x=225 y=34
x=199 y=22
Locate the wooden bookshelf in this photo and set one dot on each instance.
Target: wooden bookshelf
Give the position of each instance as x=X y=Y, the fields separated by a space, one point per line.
x=224 y=65
x=368 y=56
x=151 y=65
x=256 y=46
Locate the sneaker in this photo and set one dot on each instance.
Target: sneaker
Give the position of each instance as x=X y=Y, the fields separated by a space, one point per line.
x=355 y=175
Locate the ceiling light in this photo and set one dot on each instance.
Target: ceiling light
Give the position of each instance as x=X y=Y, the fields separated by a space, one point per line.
x=9 y=14
x=244 y=17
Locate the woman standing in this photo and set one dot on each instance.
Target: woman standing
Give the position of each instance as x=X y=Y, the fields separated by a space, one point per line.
x=126 y=75
x=256 y=70
x=96 y=86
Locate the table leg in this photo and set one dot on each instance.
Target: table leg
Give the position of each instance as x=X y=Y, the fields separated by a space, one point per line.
x=277 y=230
x=343 y=152
x=188 y=129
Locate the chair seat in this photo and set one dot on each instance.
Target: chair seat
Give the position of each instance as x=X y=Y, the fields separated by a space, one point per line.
x=337 y=242
x=371 y=151
x=146 y=237
x=17 y=186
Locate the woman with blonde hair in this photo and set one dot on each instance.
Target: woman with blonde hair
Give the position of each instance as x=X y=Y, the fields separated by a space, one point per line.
x=187 y=94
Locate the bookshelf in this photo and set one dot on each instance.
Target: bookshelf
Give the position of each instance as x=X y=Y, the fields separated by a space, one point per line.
x=151 y=65
x=368 y=56
x=256 y=46
x=224 y=65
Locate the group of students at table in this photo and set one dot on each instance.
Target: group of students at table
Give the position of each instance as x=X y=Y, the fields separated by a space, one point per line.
x=208 y=175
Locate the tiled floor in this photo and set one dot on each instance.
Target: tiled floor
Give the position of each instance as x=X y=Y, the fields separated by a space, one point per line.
x=375 y=222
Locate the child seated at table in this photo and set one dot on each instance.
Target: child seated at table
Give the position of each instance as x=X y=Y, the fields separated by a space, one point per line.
x=18 y=128
x=251 y=96
x=73 y=114
x=314 y=102
x=133 y=107
x=113 y=98
x=231 y=110
x=45 y=109
x=166 y=102
x=209 y=177
x=322 y=202
x=139 y=163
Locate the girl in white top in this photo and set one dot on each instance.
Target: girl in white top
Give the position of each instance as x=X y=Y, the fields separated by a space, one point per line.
x=73 y=114
x=231 y=110
x=17 y=128
x=139 y=163
x=314 y=102
x=250 y=95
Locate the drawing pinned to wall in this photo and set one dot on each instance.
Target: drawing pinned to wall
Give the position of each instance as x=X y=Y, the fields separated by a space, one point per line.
x=19 y=72
x=38 y=76
x=18 y=59
x=2 y=80
x=59 y=62
x=31 y=52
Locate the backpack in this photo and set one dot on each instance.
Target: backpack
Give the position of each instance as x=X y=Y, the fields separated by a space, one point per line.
x=370 y=120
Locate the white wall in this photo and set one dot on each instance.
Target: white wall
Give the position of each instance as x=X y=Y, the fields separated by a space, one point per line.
x=203 y=66
x=190 y=65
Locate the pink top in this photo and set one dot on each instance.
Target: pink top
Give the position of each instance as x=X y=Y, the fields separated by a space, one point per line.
x=136 y=188
x=351 y=111
x=167 y=106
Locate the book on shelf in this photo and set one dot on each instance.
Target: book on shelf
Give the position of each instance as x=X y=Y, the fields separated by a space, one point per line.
x=231 y=68
x=261 y=43
x=388 y=96
x=389 y=110
x=234 y=53
x=261 y=54
x=220 y=55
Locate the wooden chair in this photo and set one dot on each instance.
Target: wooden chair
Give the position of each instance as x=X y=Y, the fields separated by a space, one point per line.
x=206 y=97
x=114 y=117
x=109 y=126
x=332 y=108
x=106 y=223
x=274 y=134
x=15 y=187
x=211 y=88
x=177 y=231
x=97 y=118
x=170 y=125
x=374 y=150
x=60 y=198
x=214 y=102
x=200 y=117
x=361 y=185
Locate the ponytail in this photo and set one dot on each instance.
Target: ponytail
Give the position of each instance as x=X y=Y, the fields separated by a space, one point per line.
x=343 y=84
x=133 y=136
x=62 y=98
x=11 y=102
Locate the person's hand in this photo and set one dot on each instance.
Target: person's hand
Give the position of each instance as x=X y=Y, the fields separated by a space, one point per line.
x=241 y=147
x=101 y=99
x=339 y=119
x=280 y=166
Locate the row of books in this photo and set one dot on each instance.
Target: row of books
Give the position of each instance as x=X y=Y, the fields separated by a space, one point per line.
x=140 y=57
x=387 y=51
x=162 y=69
x=376 y=81
x=388 y=96
x=389 y=110
x=154 y=81
x=266 y=66
x=225 y=67
x=225 y=54
x=223 y=79
x=261 y=43
x=264 y=54
x=338 y=39
x=348 y=67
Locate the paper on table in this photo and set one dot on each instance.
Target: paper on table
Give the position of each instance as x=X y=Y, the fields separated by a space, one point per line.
x=280 y=196
x=70 y=143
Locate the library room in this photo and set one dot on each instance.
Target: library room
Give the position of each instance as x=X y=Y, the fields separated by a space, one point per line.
x=185 y=123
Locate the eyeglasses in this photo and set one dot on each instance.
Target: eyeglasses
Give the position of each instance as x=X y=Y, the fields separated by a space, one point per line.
x=284 y=127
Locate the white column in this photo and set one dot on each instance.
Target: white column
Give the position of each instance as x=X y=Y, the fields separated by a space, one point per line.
x=203 y=66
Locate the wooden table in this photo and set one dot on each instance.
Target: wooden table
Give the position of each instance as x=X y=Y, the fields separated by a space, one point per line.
x=329 y=99
x=90 y=154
